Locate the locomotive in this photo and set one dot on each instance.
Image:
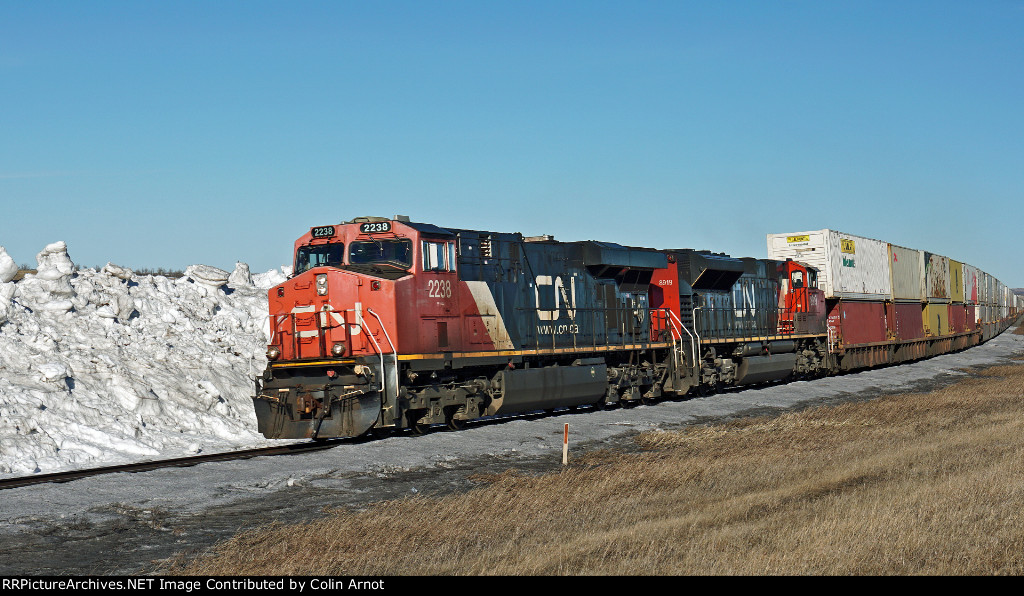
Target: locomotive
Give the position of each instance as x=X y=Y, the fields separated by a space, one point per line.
x=390 y=324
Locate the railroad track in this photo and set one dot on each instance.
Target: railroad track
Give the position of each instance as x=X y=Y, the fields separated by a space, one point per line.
x=178 y=462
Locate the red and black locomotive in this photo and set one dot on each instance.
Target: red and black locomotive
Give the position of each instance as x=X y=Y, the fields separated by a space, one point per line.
x=390 y=324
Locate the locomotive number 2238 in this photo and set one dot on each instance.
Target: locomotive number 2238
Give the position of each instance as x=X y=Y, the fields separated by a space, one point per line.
x=439 y=288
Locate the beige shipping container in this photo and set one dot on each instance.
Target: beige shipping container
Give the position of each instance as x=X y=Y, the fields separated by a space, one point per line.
x=956 y=281
x=906 y=266
x=849 y=266
x=936 y=277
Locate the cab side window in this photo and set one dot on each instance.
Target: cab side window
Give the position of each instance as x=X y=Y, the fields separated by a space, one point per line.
x=438 y=256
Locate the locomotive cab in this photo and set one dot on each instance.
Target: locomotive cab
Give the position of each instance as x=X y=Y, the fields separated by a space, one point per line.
x=335 y=325
x=801 y=303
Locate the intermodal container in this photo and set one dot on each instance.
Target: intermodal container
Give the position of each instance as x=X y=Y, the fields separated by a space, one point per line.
x=956 y=281
x=957 y=318
x=972 y=317
x=936 y=277
x=858 y=322
x=935 y=317
x=905 y=269
x=909 y=324
x=850 y=267
x=971 y=275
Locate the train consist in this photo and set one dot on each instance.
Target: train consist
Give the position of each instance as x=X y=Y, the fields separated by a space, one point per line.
x=390 y=324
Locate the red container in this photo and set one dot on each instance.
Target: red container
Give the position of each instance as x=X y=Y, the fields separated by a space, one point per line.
x=858 y=322
x=972 y=317
x=908 y=324
x=957 y=318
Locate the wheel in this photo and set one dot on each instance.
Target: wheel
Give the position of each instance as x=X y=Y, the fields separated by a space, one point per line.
x=706 y=390
x=450 y=419
x=415 y=426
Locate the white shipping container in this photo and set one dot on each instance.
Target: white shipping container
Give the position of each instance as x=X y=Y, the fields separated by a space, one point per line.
x=906 y=266
x=849 y=266
x=971 y=278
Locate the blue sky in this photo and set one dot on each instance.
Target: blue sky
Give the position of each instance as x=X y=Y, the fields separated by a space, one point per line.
x=161 y=134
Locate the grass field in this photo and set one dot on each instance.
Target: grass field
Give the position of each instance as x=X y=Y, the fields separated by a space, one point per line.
x=909 y=484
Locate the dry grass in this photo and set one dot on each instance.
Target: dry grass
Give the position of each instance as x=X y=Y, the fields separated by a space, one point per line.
x=911 y=484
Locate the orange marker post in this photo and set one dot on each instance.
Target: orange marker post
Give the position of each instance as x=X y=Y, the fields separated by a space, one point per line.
x=565 y=445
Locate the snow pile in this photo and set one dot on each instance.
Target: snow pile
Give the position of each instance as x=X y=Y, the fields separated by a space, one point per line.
x=106 y=367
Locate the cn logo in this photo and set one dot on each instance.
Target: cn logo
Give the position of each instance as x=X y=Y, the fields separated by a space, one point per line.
x=339 y=319
x=568 y=298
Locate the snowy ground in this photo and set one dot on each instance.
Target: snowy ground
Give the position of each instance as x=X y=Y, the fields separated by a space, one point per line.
x=106 y=367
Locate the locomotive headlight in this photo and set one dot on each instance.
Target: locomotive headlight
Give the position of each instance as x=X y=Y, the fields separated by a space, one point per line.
x=338 y=349
x=273 y=353
x=321 y=284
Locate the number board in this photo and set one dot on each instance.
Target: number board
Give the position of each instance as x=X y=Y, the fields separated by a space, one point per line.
x=323 y=232
x=375 y=227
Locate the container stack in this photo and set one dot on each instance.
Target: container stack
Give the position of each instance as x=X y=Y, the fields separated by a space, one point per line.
x=907 y=268
x=878 y=292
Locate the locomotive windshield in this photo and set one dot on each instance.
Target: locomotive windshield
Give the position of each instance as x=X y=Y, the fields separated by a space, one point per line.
x=394 y=252
x=319 y=255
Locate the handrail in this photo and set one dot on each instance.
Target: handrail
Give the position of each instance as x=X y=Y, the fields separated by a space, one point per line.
x=696 y=363
x=384 y=329
x=394 y=352
x=693 y=347
x=376 y=346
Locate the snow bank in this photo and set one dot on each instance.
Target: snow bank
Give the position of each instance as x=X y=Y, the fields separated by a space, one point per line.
x=105 y=367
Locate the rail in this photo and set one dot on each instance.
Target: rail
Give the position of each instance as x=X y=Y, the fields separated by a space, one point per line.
x=177 y=462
